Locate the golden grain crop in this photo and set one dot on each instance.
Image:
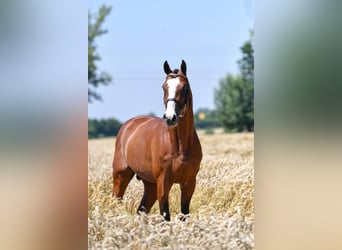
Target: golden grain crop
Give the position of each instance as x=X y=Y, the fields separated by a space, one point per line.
x=221 y=211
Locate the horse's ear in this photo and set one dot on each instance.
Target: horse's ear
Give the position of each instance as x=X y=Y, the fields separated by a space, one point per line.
x=183 y=67
x=167 y=69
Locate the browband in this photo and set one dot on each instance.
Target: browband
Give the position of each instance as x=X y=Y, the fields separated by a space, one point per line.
x=174 y=75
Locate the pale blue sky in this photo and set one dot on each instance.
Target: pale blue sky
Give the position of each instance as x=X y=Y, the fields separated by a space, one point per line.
x=143 y=34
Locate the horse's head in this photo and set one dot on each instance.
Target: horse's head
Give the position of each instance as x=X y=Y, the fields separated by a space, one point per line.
x=176 y=94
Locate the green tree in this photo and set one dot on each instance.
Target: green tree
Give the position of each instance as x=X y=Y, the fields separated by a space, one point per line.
x=234 y=98
x=96 y=78
x=246 y=64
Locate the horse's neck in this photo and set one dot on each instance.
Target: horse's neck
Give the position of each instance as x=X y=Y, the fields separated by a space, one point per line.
x=183 y=134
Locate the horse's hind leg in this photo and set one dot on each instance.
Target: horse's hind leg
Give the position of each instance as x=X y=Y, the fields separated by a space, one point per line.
x=121 y=180
x=149 y=197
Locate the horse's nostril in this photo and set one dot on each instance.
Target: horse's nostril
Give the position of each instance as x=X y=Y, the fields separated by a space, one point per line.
x=170 y=120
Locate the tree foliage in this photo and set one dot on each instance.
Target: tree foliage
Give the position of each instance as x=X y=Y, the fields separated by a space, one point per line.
x=96 y=78
x=246 y=64
x=206 y=118
x=103 y=127
x=234 y=98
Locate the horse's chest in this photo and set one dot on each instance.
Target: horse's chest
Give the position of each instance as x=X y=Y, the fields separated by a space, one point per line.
x=177 y=163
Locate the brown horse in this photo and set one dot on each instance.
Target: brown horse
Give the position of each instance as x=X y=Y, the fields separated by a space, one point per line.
x=161 y=151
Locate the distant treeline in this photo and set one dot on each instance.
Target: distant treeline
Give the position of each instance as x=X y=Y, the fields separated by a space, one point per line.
x=103 y=127
x=204 y=119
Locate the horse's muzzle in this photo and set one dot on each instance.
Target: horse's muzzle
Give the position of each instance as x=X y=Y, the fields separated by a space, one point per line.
x=171 y=122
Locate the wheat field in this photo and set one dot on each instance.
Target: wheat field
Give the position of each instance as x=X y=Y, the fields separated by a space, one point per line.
x=221 y=210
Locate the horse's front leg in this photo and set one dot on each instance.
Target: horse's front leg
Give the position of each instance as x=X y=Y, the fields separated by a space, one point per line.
x=164 y=184
x=187 y=190
x=149 y=197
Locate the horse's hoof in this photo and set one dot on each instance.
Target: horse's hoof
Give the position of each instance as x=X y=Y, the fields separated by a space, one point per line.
x=142 y=209
x=183 y=217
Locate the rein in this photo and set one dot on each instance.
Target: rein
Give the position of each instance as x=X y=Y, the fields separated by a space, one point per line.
x=181 y=106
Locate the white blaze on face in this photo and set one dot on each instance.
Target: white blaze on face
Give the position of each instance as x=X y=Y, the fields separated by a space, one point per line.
x=171 y=105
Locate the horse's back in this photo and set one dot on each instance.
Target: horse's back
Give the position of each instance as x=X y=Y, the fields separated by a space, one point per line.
x=135 y=124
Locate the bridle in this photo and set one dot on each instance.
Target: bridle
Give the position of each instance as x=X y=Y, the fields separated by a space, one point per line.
x=182 y=107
